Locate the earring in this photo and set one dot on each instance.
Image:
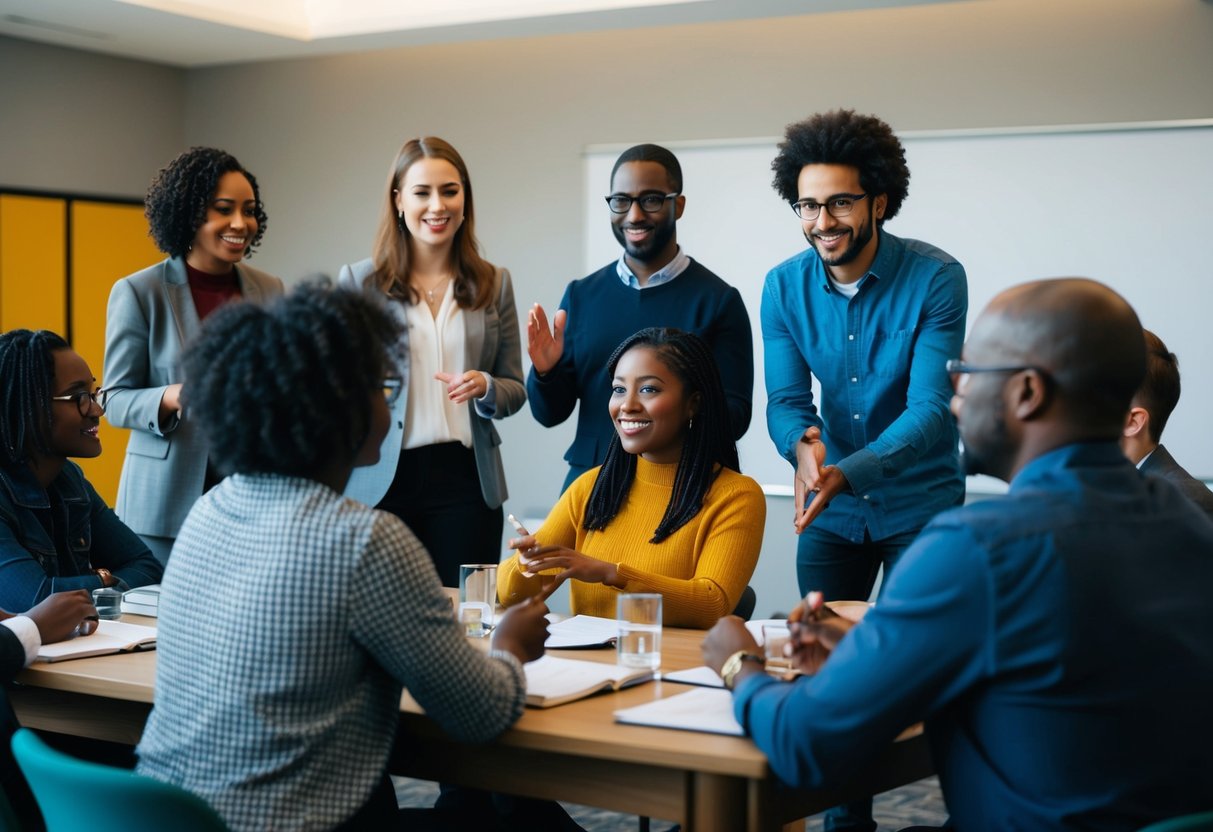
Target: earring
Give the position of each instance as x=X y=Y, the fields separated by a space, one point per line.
x=690 y=423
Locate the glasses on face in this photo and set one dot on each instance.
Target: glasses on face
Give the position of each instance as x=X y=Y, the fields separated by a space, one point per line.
x=391 y=389
x=839 y=205
x=649 y=203
x=85 y=400
x=957 y=368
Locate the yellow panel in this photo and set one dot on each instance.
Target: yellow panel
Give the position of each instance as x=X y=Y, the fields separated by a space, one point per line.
x=33 y=263
x=109 y=241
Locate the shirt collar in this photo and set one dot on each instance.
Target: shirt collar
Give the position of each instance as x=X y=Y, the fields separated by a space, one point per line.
x=27 y=493
x=1103 y=453
x=888 y=253
x=665 y=274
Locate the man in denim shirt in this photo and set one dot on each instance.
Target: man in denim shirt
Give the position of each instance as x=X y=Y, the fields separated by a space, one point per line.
x=874 y=318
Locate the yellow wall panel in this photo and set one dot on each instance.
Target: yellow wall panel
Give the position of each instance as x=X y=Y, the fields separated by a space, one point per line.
x=33 y=263
x=109 y=241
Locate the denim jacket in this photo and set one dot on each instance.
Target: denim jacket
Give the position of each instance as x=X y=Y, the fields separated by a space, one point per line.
x=85 y=534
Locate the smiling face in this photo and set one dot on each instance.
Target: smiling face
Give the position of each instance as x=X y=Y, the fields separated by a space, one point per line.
x=650 y=407
x=647 y=238
x=71 y=434
x=430 y=197
x=846 y=245
x=230 y=225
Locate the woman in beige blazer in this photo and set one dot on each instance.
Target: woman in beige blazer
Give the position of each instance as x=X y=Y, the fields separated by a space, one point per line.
x=205 y=213
x=440 y=469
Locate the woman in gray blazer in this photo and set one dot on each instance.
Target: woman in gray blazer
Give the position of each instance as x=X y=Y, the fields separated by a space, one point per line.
x=206 y=214
x=440 y=468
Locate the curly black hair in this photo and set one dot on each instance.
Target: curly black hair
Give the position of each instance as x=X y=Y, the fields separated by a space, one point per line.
x=178 y=197
x=284 y=388
x=27 y=366
x=841 y=137
x=706 y=444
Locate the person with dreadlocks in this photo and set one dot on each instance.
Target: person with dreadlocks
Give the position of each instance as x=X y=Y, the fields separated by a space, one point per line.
x=56 y=533
x=205 y=212
x=668 y=511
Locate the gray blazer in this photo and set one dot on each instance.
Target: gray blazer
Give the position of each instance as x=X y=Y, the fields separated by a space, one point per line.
x=1161 y=464
x=493 y=347
x=150 y=319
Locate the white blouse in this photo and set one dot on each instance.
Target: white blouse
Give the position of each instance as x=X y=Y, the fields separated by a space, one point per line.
x=436 y=344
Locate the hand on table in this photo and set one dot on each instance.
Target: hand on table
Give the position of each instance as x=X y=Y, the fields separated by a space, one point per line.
x=724 y=639
x=543 y=344
x=63 y=615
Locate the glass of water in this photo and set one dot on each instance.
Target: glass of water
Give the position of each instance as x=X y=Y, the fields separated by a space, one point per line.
x=477 y=597
x=108 y=602
x=639 y=619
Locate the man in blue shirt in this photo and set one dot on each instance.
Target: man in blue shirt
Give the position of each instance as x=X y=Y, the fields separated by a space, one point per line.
x=1059 y=642
x=653 y=283
x=874 y=318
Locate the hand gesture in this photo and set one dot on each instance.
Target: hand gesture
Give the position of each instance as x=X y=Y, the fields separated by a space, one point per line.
x=543 y=344
x=523 y=629
x=572 y=563
x=462 y=387
x=815 y=631
x=724 y=639
x=814 y=477
x=63 y=615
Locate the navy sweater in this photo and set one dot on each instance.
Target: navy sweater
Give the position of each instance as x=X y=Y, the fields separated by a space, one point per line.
x=602 y=312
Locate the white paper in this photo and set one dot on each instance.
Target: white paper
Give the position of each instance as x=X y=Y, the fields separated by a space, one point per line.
x=702 y=709
x=110 y=637
x=582 y=631
x=554 y=678
x=703 y=676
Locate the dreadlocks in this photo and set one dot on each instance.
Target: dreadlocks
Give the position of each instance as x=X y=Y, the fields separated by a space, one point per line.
x=27 y=379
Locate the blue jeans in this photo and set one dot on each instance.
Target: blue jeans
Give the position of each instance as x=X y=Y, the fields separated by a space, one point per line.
x=842 y=570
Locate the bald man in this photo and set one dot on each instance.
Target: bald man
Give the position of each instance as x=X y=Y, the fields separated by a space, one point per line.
x=1058 y=643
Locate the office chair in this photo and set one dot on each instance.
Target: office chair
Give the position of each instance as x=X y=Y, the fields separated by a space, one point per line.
x=745 y=604
x=74 y=794
x=1200 y=822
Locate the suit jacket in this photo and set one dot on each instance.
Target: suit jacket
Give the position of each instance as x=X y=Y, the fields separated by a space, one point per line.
x=12 y=655
x=150 y=319
x=1161 y=464
x=493 y=346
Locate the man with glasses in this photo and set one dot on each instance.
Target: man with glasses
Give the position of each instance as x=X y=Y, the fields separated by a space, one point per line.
x=873 y=317
x=1058 y=643
x=654 y=283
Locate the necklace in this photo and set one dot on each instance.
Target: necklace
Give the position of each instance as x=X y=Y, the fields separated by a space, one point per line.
x=432 y=295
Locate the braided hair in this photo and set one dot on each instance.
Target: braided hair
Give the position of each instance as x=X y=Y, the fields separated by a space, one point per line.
x=27 y=381
x=707 y=444
x=178 y=197
x=284 y=388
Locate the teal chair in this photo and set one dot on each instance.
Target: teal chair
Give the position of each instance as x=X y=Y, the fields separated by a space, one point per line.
x=1202 y=822
x=75 y=795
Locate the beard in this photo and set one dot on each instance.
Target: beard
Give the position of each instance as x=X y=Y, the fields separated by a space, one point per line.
x=990 y=454
x=860 y=237
x=663 y=232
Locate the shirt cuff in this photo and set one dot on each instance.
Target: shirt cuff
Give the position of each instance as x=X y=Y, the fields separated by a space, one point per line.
x=26 y=631
x=862 y=470
x=744 y=692
x=486 y=405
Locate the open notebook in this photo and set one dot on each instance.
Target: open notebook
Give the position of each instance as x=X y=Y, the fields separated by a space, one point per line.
x=110 y=637
x=554 y=681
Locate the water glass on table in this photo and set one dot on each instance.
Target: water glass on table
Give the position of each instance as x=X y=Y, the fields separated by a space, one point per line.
x=477 y=597
x=639 y=619
x=108 y=602
x=775 y=641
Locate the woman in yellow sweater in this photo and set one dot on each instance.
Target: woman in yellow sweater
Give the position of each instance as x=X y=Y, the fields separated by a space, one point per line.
x=668 y=510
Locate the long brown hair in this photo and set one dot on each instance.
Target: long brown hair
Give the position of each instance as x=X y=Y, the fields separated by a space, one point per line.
x=475 y=277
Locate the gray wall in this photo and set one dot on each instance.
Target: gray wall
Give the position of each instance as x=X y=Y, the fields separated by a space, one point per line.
x=320 y=133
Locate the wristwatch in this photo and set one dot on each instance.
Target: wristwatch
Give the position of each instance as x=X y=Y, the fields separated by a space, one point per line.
x=107 y=577
x=732 y=665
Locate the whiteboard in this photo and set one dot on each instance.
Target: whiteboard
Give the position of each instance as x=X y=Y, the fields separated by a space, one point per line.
x=1128 y=205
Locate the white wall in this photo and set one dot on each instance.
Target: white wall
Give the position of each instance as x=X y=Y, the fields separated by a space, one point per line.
x=320 y=133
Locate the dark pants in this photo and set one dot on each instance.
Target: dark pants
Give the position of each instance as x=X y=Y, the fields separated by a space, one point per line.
x=436 y=492
x=842 y=570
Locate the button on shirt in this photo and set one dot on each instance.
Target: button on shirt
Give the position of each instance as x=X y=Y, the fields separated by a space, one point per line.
x=879 y=357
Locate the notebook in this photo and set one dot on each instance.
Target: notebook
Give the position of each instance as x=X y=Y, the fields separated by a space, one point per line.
x=110 y=637
x=553 y=681
x=702 y=709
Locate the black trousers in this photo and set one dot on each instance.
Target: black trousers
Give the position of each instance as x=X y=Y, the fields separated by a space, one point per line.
x=436 y=492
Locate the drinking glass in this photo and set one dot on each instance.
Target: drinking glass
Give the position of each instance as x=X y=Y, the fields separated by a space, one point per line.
x=477 y=597
x=639 y=619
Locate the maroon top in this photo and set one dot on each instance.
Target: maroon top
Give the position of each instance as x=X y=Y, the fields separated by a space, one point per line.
x=211 y=291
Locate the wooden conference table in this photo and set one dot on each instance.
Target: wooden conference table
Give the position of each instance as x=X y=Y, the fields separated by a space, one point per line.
x=573 y=752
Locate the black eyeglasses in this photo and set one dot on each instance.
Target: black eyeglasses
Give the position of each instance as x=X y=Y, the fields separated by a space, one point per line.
x=958 y=367
x=85 y=400
x=839 y=205
x=391 y=389
x=649 y=203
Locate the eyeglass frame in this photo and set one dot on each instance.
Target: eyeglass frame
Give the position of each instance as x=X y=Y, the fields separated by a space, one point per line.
x=637 y=199
x=796 y=203
x=959 y=367
x=395 y=385
x=97 y=397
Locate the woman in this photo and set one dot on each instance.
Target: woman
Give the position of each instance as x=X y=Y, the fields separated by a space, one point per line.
x=439 y=468
x=667 y=511
x=56 y=533
x=206 y=214
x=290 y=616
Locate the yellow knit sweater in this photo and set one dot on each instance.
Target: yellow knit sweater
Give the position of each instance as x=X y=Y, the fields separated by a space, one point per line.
x=700 y=570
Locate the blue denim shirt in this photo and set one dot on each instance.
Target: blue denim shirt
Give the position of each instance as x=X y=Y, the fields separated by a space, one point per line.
x=85 y=534
x=1058 y=643
x=879 y=357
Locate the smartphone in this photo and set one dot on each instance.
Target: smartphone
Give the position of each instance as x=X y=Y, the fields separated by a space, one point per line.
x=521 y=529
x=518 y=527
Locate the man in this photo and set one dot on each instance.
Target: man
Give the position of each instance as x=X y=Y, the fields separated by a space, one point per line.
x=1152 y=406
x=57 y=617
x=873 y=317
x=1058 y=642
x=654 y=283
